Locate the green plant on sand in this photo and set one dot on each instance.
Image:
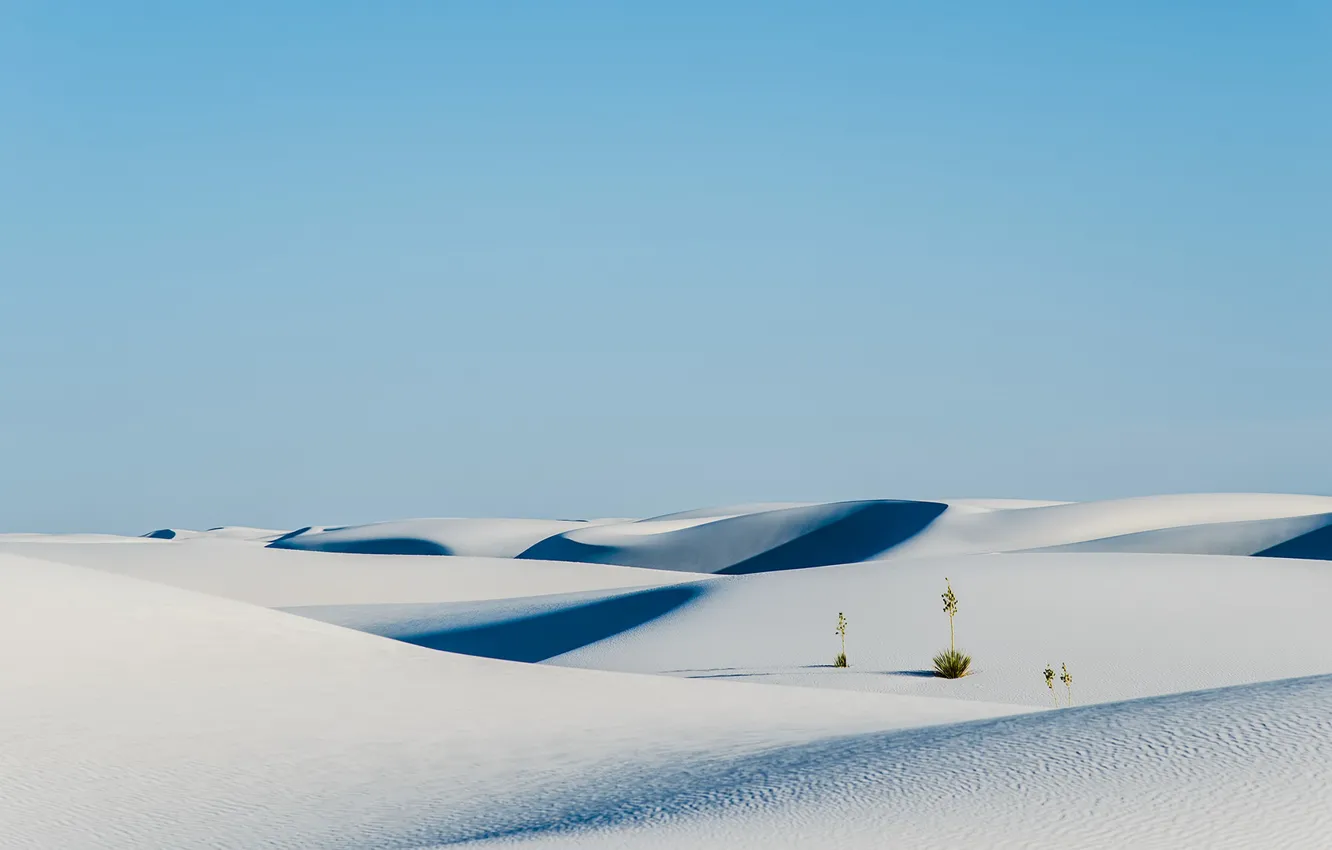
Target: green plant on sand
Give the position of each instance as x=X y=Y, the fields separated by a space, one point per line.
x=951 y=664
x=840 y=660
x=1067 y=679
x=1049 y=683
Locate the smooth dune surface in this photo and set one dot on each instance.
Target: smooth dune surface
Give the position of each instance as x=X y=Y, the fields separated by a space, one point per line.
x=1237 y=768
x=226 y=532
x=759 y=540
x=1128 y=625
x=1205 y=524
x=501 y=538
x=765 y=537
x=667 y=682
x=142 y=715
x=283 y=578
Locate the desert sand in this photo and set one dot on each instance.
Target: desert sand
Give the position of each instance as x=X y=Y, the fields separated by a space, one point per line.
x=668 y=681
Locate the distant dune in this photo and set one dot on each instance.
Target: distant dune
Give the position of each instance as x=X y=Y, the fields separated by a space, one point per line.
x=767 y=537
x=499 y=538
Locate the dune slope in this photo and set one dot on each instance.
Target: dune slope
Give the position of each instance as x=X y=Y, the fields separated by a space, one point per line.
x=767 y=537
x=499 y=538
x=1235 y=768
x=1128 y=625
x=280 y=577
x=631 y=687
x=137 y=714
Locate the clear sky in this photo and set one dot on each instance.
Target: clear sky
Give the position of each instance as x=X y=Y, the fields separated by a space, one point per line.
x=289 y=263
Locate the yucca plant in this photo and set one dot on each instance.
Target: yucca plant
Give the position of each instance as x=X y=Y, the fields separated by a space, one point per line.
x=840 y=660
x=1067 y=679
x=951 y=664
x=950 y=608
x=1049 y=683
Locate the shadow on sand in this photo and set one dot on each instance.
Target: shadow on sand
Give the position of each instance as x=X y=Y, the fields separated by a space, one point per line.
x=850 y=532
x=514 y=630
x=861 y=534
x=373 y=546
x=1315 y=545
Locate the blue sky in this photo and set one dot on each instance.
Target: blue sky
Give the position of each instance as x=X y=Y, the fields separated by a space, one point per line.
x=293 y=263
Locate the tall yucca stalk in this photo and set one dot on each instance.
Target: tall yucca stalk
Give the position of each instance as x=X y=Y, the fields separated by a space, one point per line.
x=951 y=664
x=1049 y=683
x=840 y=660
x=950 y=607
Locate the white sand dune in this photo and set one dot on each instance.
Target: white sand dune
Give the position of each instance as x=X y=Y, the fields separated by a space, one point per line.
x=747 y=539
x=153 y=698
x=1199 y=523
x=225 y=532
x=138 y=715
x=761 y=538
x=281 y=578
x=1128 y=625
x=764 y=537
x=46 y=539
x=499 y=538
x=1237 y=768
x=154 y=717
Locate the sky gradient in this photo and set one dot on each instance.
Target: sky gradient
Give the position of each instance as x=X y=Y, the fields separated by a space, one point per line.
x=341 y=262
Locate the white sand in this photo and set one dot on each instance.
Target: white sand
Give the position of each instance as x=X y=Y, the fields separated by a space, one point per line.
x=226 y=532
x=138 y=715
x=499 y=538
x=719 y=539
x=282 y=578
x=1127 y=625
x=1245 y=768
x=152 y=698
x=1207 y=523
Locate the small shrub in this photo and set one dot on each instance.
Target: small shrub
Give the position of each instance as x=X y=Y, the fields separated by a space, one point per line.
x=840 y=660
x=1049 y=683
x=952 y=664
x=1067 y=679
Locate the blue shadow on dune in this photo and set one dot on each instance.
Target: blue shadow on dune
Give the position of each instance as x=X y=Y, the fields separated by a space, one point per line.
x=1314 y=545
x=289 y=536
x=371 y=546
x=550 y=633
x=869 y=530
x=528 y=630
x=859 y=531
